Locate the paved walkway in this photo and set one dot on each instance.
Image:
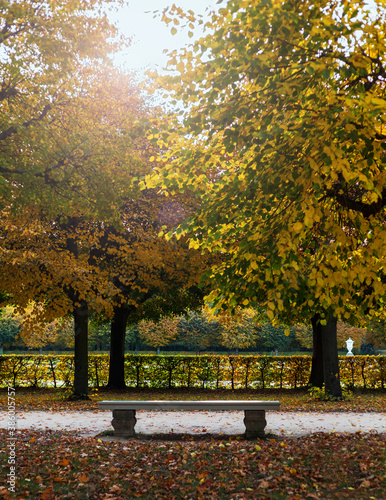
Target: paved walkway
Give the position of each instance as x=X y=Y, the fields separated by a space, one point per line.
x=89 y=423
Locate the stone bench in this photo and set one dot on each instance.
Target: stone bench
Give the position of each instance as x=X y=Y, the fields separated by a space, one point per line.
x=124 y=418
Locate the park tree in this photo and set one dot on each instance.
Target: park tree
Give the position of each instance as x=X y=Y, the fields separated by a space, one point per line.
x=53 y=258
x=275 y=337
x=345 y=331
x=49 y=270
x=155 y=278
x=160 y=333
x=198 y=331
x=281 y=131
x=74 y=265
x=10 y=325
x=238 y=332
x=50 y=52
x=67 y=129
x=71 y=145
x=99 y=335
x=303 y=335
x=376 y=334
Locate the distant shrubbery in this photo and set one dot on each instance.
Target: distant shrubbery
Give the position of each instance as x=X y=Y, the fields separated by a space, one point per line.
x=230 y=372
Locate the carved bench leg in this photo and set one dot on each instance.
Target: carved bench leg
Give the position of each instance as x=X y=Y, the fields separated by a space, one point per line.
x=254 y=423
x=124 y=422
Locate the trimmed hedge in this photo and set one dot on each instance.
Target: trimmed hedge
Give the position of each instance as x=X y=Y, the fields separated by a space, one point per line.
x=211 y=372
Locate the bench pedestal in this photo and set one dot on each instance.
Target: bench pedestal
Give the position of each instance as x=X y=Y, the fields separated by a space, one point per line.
x=255 y=423
x=124 y=422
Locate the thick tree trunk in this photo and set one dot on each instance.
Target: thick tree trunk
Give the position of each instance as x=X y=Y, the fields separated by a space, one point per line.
x=331 y=358
x=317 y=371
x=117 y=348
x=81 y=350
x=325 y=359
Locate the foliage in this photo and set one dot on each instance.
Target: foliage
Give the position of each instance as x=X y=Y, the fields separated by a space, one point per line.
x=207 y=371
x=271 y=336
x=366 y=349
x=65 y=335
x=376 y=334
x=239 y=332
x=283 y=139
x=132 y=339
x=199 y=331
x=317 y=466
x=45 y=136
x=160 y=333
x=346 y=331
x=35 y=333
x=320 y=394
x=10 y=325
x=303 y=334
x=99 y=336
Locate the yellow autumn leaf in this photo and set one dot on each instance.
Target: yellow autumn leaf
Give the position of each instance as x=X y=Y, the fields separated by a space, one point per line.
x=297 y=227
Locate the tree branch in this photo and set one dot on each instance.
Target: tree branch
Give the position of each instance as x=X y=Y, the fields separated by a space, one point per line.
x=13 y=130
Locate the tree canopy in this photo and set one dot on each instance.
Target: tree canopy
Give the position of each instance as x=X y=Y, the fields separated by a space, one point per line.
x=55 y=57
x=284 y=141
x=282 y=135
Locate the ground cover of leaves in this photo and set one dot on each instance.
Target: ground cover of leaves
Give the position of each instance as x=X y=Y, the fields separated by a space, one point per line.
x=58 y=465
x=32 y=399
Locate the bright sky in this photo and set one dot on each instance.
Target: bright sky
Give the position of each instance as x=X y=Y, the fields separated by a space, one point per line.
x=151 y=36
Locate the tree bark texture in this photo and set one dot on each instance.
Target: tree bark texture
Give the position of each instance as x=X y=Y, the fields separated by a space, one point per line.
x=330 y=358
x=317 y=371
x=117 y=347
x=81 y=349
x=325 y=359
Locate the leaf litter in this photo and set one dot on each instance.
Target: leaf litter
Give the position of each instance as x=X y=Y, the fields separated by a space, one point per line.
x=60 y=465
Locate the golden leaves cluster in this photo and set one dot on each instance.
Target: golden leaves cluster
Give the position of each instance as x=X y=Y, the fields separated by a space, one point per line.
x=284 y=140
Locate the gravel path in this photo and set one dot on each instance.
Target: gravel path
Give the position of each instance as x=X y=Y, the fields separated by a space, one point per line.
x=91 y=423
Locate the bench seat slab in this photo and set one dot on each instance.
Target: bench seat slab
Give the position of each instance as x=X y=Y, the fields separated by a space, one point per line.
x=190 y=405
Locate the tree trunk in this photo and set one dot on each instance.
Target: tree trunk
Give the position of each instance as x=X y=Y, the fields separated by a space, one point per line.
x=117 y=348
x=317 y=371
x=81 y=350
x=331 y=358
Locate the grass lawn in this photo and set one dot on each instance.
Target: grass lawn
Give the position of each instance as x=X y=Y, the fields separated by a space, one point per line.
x=59 y=465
